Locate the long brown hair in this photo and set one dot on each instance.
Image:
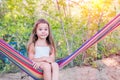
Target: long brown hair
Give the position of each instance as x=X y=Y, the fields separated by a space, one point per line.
x=34 y=37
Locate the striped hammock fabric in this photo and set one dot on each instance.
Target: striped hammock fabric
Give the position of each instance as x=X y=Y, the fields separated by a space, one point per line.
x=26 y=65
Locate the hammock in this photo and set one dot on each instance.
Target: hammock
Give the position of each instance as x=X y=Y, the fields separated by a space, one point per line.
x=26 y=65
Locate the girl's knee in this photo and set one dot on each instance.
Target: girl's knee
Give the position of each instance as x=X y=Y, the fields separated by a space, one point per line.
x=55 y=65
x=46 y=66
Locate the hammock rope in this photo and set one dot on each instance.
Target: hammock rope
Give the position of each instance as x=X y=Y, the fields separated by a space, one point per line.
x=114 y=23
x=26 y=65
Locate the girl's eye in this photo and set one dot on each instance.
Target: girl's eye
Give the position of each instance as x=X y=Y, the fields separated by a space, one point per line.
x=40 y=29
x=46 y=29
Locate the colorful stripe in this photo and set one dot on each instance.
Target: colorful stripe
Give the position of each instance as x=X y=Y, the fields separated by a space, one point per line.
x=26 y=65
x=21 y=61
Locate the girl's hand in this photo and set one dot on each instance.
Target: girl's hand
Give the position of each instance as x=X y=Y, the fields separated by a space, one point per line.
x=49 y=60
x=35 y=65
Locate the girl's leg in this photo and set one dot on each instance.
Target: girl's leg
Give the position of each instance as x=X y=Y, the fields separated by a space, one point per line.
x=46 y=67
x=55 y=71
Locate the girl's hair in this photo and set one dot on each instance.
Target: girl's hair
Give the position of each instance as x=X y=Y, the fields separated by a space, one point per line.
x=34 y=37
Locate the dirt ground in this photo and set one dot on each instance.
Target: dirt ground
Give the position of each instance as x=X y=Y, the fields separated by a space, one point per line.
x=108 y=69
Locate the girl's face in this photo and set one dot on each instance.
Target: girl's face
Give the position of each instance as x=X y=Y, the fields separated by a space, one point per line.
x=42 y=31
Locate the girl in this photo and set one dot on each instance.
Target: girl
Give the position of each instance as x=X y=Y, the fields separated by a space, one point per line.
x=42 y=50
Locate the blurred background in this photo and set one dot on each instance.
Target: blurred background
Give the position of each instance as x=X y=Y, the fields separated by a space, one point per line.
x=72 y=21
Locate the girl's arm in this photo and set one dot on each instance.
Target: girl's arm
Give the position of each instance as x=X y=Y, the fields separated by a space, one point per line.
x=52 y=55
x=39 y=59
x=31 y=52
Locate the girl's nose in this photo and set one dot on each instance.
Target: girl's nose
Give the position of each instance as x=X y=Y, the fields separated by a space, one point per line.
x=43 y=31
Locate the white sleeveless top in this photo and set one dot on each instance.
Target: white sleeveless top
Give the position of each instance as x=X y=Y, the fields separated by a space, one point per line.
x=41 y=51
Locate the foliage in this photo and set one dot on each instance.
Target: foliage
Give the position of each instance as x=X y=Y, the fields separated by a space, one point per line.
x=2 y=64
